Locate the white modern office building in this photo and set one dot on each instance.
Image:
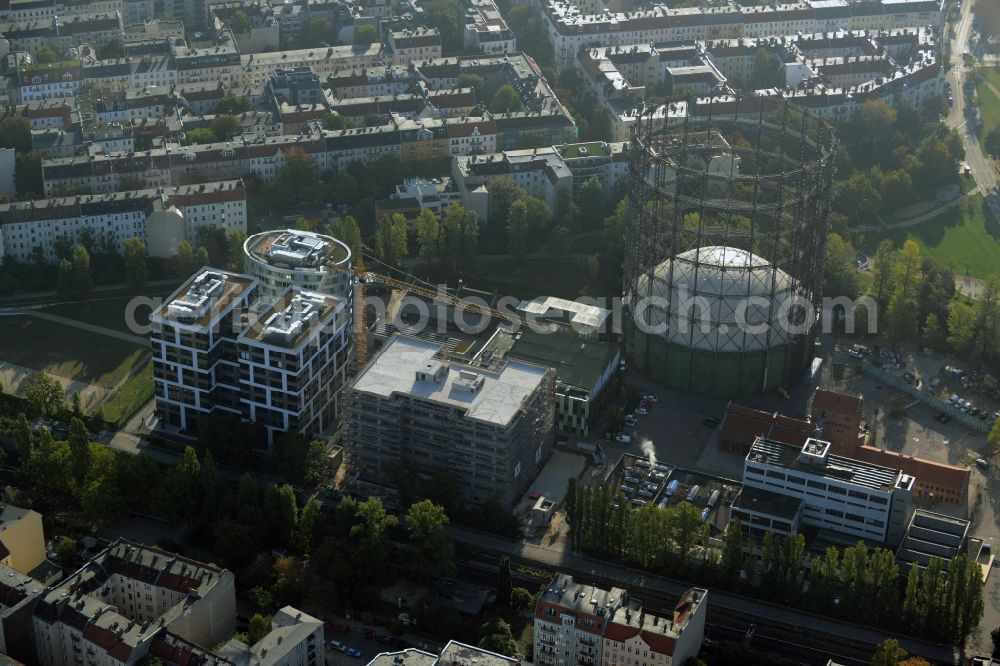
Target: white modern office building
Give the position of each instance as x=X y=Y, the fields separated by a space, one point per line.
x=840 y=494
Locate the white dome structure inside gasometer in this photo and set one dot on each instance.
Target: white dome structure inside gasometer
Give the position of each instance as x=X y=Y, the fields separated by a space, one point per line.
x=722 y=299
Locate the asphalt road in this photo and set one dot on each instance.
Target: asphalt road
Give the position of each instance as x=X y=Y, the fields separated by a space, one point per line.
x=982 y=167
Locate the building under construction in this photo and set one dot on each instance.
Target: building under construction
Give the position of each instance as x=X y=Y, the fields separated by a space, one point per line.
x=724 y=245
x=414 y=411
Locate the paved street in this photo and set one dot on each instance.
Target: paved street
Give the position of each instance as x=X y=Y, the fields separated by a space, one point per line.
x=982 y=168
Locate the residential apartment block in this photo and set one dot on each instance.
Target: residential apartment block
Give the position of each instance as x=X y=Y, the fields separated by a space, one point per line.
x=302 y=259
x=295 y=639
x=491 y=430
x=116 y=605
x=22 y=541
x=453 y=654
x=577 y=624
x=543 y=172
x=844 y=495
x=160 y=217
x=293 y=360
x=571 y=30
x=219 y=348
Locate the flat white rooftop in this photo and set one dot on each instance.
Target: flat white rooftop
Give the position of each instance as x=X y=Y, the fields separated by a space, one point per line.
x=582 y=314
x=496 y=398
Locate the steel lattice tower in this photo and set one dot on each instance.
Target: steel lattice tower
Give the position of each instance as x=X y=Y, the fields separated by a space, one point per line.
x=729 y=204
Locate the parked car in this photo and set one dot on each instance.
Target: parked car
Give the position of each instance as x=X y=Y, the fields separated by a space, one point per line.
x=631 y=420
x=983 y=463
x=385 y=640
x=369 y=634
x=340 y=628
x=336 y=645
x=711 y=421
x=623 y=438
x=641 y=411
x=651 y=397
x=406 y=619
x=353 y=652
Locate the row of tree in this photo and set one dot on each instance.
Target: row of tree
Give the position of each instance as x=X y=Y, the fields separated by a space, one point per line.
x=943 y=601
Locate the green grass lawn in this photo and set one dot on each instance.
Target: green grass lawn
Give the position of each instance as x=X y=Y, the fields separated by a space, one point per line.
x=109 y=311
x=966 y=239
x=989 y=103
x=135 y=393
x=68 y=352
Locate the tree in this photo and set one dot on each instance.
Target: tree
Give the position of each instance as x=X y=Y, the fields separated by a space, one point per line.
x=318 y=30
x=297 y=180
x=346 y=230
x=66 y=551
x=281 y=513
x=24 y=438
x=931 y=335
x=184 y=259
x=732 y=553
x=260 y=626
x=767 y=71
x=496 y=636
x=226 y=127
x=49 y=464
x=15 y=132
x=28 y=174
x=239 y=22
x=882 y=273
x=591 y=201
x=857 y=199
x=111 y=50
x=209 y=487
x=428 y=235
x=365 y=35
x=234 y=249
x=390 y=240
x=45 y=395
x=431 y=548
x=335 y=121
x=502 y=195
x=201 y=257
x=505 y=99
x=136 y=271
x=888 y=653
x=446 y=16
x=459 y=237
x=260 y=599
x=79 y=447
x=45 y=56
x=473 y=81
x=200 y=135
x=505 y=584
x=232 y=105
x=520 y=599
x=517 y=229
x=79 y=271
x=182 y=487
x=961 y=327
x=992 y=143
x=299 y=459
x=310 y=527
x=559 y=240
x=840 y=277
x=369 y=535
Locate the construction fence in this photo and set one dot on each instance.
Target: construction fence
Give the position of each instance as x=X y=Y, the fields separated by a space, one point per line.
x=925 y=397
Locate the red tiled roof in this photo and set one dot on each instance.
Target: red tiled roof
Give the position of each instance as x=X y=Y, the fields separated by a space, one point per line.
x=838 y=403
x=744 y=424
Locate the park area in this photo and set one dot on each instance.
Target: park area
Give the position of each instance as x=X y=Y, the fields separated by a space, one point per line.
x=989 y=98
x=965 y=238
x=111 y=373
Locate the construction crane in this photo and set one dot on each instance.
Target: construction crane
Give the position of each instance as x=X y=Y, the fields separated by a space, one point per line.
x=361 y=329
